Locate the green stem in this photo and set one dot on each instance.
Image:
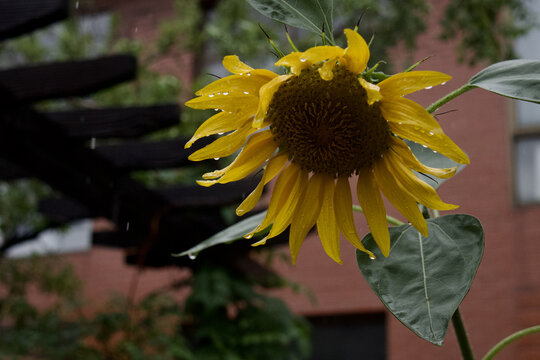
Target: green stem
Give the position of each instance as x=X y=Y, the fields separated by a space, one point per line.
x=389 y=219
x=461 y=334
x=504 y=342
x=437 y=104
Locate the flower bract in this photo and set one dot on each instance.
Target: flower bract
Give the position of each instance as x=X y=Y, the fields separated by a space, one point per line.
x=318 y=128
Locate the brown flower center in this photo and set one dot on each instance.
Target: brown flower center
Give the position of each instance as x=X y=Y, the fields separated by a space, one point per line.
x=328 y=126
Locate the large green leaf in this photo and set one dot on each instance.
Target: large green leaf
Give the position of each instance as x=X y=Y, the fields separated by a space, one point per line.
x=310 y=15
x=230 y=234
x=434 y=159
x=518 y=79
x=424 y=280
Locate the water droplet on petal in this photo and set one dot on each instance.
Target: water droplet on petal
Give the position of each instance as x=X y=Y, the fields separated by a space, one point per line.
x=428 y=87
x=431 y=133
x=400 y=122
x=216 y=158
x=444 y=83
x=245 y=92
x=210 y=95
x=302 y=60
x=248 y=236
x=371 y=257
x=192 y=256
x=226 y=93
x=221 y=133
x=424 y=146
x=248 y=74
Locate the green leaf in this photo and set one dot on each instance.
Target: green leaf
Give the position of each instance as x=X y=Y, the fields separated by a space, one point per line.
x=232 y=233
x=305 y=14
x=434 y=159
x=517 y=79
x=424 y=280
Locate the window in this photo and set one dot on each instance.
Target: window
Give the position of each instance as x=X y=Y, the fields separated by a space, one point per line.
x=527 y=126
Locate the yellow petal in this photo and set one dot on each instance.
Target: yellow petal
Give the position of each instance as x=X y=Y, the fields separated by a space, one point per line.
x=228 y=102
x=371 y=202
x=327 y=69
x=409 y=82
x=223 y=122
x=344 y=214
x=408 y=158
x=287 y=212
x=225 y=145
x=274 y=166
x=327 y=226
x=235 y=85
x=280 y=193
x=234 y=65
x=266 y=93
x=372 y=90
x=422 y=192
x=307 y=212
x=252 y=156
x=357 y=53
x=411 y=121
x=293 y=61
x=399 y=197
x=258 y=149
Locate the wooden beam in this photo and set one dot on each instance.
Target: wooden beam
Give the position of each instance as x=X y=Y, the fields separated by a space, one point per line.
x=20 y=17
x=123 y=122
x=66 y=79
x=149 y=155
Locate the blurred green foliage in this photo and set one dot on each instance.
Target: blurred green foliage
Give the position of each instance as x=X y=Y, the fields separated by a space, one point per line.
x=223 y=318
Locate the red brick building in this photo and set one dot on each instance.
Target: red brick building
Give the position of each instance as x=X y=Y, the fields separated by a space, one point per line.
x=505 y=295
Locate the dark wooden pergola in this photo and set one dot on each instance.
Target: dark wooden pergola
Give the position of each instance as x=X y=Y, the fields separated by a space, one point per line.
x=95 y=181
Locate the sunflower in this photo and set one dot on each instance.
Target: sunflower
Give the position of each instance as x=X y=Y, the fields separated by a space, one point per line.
x=314 y=129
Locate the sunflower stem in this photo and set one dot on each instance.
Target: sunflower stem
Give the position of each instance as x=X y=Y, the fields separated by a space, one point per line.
x=509 y=339
x=461 y=334
x=437 y=104
x=389 y=219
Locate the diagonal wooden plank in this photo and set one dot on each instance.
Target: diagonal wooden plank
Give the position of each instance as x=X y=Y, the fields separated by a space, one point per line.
x=66 y=79
x=20 y=17
x=121 y=122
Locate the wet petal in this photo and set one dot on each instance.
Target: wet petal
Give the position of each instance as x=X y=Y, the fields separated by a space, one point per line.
x=327 y=226
x=399 y=197
x=274 y=166
x=357 y=53
x=408 y=158
x=266 y=94
x=344 y=213
x=370 y=200
x=293 y=61
x=411 y=121
x=409 y=82
x=225 y=145
x=373 y=93
x=234 y=65
x=306 y=214
x=320 y=53
x=327 y=70
x=235 y=85
x=222 y=122
x=422 y=192
x=222 y=102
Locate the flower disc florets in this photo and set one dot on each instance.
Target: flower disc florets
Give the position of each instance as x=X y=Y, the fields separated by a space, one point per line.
x=328 y=126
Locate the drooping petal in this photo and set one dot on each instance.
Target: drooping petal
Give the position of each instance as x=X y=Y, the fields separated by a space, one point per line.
x=306 y=214
x=327 y=69
x=409 y=82
x=411 y=121
x=274 y=166
x=258 y=149
x=225 y=145
x=357 y=52
x=266 y=93
x=222 y=102
x=344 y=214
x=327 y=226
x=222 y=122
x=412 y=162
x=372 y=90
x=289 y=184
x=422 y=192
x=293 y=61
x=235 y=84
x=234 y=65
x=398 y=196
x=371 y=202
